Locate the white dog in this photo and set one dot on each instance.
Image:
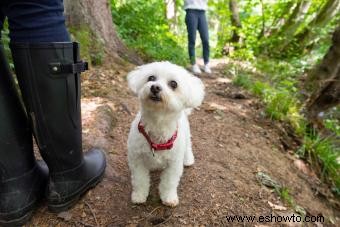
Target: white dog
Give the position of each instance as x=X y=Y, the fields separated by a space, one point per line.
x=159 y=137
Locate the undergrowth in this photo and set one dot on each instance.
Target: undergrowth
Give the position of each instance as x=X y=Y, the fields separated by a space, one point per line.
x=144 y=29
x=277 y=87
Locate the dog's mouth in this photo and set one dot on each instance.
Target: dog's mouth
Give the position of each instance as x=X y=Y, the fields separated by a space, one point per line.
x=155 y=97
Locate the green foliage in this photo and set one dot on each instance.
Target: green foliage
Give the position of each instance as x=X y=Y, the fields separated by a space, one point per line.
x=92 y=49
x=281 y=103
x=268 y=28
x=333 y=125
x=324 y=155
x=143 y=26
x=5 y=41
x=286 y=196
x=276 y=85
x=243 y=80
x=243 y=54
x=278 y=104
x=219 y=11
x=331 y=120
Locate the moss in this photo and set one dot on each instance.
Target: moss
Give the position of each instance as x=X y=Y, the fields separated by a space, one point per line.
x=92 y=49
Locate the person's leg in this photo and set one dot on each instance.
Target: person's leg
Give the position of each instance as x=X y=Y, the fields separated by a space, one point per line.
x=22 y=181
x=48 y=68
x=191 y=21
x=204 y=34
x=36 y=21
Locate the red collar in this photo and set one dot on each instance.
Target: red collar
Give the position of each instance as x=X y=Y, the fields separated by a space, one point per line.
x=160 y=146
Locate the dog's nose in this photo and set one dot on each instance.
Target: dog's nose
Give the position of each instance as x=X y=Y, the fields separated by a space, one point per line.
x=155 y=89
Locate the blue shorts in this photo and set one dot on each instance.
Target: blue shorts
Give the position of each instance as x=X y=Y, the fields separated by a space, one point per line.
x=34 y=21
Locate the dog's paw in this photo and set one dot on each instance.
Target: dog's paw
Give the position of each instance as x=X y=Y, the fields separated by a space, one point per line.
x=171 y=203
x=189 y=158
x=188 y=163
x=138 y=198
x=170 y=200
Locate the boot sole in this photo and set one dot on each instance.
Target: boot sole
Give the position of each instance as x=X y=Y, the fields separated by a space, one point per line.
x=19 y=221
x=60 y=207
x=23 y=219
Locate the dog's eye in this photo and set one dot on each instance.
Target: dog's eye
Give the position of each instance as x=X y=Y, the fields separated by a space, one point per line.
x=152 y=78
x=173 y=84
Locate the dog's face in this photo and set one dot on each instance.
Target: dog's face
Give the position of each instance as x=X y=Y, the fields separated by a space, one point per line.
x=166 y=86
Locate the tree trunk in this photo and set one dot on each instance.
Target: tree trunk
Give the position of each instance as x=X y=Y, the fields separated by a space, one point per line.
x=96 y=16
x=235 y=21
x=294 y=21
x=171 y=14
x=263 y=29
x=280 y=19
x=296 y=18
x=324 y=82
x=326 y=14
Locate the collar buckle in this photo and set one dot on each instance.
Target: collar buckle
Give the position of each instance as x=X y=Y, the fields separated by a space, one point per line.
x=154 y=146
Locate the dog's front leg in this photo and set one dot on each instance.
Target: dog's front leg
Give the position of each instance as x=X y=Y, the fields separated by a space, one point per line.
x=189 y=158
x=188 y=155
x=140 y=180
x=169 y=181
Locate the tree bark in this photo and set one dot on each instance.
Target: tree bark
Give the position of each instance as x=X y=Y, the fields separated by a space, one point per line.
x=171 y=14
x=263 y=29
x=326 y=14
x=296 y=18
x=280 y=19
x=324 y=82
x=235 y=21
x=96 y=15
x=294 y=21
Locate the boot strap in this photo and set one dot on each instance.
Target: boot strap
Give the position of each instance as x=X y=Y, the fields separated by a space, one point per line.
x=59 y=68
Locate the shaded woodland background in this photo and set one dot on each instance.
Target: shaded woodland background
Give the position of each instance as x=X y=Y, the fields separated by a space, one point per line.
x=289 y=52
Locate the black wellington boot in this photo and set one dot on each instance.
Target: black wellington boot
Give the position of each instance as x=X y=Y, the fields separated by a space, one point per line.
x=49 y=77
x=22 y=181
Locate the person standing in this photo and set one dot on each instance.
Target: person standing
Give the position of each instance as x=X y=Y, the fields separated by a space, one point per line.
x=195 y=19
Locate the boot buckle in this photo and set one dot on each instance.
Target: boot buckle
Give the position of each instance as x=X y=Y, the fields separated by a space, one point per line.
x=73 y=68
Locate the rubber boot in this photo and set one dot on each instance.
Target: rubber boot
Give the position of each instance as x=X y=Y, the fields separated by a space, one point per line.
x=22 y=181
x=49 y=77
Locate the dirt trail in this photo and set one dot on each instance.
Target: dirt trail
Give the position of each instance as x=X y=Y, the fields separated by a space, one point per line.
x=232 y=142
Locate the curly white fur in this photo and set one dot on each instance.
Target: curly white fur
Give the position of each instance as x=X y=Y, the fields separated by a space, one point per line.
x=161 y=119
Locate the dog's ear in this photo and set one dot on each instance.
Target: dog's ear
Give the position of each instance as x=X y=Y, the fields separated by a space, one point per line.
x=196 y=92
x=135 y=79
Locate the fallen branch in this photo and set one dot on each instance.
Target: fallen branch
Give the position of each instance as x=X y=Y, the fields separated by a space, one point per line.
x=93 y=214
x=149 y=214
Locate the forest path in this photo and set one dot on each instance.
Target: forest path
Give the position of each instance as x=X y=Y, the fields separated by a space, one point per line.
x=232 y=143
